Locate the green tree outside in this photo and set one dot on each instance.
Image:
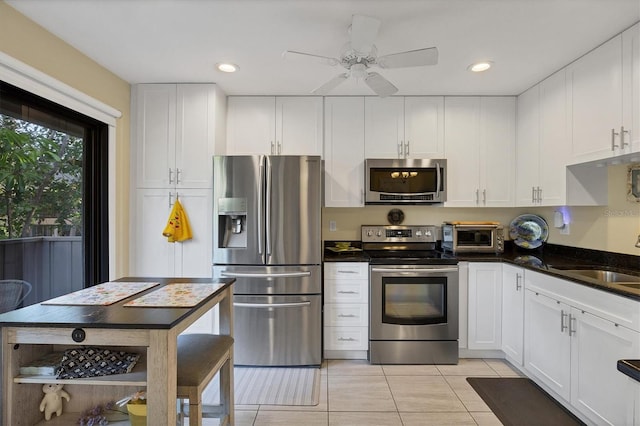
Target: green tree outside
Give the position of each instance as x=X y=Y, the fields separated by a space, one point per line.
x=40 y=180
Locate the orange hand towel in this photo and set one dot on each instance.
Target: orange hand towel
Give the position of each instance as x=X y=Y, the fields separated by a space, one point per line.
x=178 y=227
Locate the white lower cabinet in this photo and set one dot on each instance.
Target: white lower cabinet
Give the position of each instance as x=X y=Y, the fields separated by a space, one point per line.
x=346 y=310
x=574 y=352
x=485 y=305
x=513 y=313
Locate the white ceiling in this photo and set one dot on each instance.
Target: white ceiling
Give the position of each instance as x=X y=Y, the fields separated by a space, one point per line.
x=181 y=40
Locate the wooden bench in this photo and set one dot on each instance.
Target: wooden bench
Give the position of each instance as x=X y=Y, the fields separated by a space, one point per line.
x=200 y=357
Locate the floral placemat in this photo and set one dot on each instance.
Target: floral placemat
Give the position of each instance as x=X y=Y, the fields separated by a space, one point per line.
x=176 y=295
x=102 y=294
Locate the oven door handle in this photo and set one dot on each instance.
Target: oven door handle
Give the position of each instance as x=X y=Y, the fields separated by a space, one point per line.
x=430 y=270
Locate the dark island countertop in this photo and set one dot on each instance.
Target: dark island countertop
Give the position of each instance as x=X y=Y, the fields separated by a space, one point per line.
x=630 y=367
x=114 y=315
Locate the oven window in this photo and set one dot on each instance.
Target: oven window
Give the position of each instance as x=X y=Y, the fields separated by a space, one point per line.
x=476 y=237
x=414 y=300
x=404 y=181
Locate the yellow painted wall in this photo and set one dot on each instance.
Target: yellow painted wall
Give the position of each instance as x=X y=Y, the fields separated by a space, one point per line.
x=612 y=228
x=28 y=42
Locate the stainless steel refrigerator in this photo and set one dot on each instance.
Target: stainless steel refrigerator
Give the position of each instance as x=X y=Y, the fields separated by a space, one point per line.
x=267 y=236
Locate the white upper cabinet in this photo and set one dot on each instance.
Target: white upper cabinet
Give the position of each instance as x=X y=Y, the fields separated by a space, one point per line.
x=344 y=151
x=282 y=125
x=404 y=127
x=605 y=97
x=480 y=151
x=174 y=134
x=542 y=143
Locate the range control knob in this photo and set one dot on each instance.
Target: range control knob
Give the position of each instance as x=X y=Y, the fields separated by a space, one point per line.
x=369 y=233
x=379 y=233
x=418 y=233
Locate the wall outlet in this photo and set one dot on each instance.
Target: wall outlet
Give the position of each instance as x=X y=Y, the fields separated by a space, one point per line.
x=332 y=225
x=565 y=229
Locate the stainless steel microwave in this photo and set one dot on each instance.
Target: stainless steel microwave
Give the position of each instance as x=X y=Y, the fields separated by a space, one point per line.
x=405 y=181
x=473 y=237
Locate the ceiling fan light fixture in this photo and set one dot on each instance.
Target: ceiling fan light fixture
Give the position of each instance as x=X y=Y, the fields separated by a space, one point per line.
x=227 y=67
x=480 y=66
x=358 y=71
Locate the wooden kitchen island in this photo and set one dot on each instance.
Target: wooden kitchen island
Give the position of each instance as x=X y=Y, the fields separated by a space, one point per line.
x=33 y=331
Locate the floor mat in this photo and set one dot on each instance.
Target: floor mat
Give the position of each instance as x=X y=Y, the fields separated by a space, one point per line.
x=270 y=386
x=520 y=402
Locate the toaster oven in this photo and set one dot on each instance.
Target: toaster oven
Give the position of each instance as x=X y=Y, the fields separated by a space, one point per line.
x=473 y=237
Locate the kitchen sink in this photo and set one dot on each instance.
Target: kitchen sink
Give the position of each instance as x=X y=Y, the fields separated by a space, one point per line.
x=604 y=275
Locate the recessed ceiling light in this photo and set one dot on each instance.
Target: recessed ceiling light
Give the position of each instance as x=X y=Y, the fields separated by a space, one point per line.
x=480 y=66
x=227 y=67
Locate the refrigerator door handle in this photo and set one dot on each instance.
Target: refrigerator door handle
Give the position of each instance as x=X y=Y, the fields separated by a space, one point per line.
x=267 y=275
x=272 y=305
x=260 y=209
x=267 y=210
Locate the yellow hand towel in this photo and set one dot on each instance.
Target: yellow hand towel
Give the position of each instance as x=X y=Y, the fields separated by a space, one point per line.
x=178 y=227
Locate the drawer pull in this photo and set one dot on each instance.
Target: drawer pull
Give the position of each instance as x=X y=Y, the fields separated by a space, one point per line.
x=346 y=316
x=346 y=272
x=347 y=292
x=348 y=339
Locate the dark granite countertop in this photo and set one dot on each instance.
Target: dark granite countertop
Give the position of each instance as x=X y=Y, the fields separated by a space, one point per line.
x=630 y=367
x=549 y=259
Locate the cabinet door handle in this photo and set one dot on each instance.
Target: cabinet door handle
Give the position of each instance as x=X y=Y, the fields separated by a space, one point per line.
x=484 y=196
x=539 y=195
x=518 y=285
x=477 y=196
x=563 y=326
x=400 y=149
x=622 y=132
x=613 y=139
x=533 y=194
x=272 y=147
x=279 y=148
x=572 y=321
x=406 y=149
x=178 y=171
x=170 y=175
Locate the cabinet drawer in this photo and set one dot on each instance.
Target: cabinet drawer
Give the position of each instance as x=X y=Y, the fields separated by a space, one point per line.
x=356 y=291
x=346 y=338
x=347 y=314
x=346 y=270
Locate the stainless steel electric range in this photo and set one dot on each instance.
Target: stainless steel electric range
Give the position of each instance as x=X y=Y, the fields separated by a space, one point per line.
x=413 y=298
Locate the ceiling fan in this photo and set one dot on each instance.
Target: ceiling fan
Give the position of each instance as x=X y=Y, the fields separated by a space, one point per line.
x=360 y=54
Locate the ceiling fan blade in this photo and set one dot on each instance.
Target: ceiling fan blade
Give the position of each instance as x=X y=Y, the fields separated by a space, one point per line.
x=380 y=85
x=292 y=54
x=364 y=30
x=411 y=58
x=330 y=85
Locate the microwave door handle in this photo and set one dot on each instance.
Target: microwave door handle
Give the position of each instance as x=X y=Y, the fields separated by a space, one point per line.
x=438 y=177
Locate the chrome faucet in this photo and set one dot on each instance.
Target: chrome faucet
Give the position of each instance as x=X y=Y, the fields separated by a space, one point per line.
x=638 y=242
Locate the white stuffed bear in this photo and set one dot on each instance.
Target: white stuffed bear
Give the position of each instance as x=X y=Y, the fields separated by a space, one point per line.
x=52 y=401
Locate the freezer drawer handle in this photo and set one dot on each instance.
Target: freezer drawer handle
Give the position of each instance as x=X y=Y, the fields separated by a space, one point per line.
x=272 y=305
x=258 y=275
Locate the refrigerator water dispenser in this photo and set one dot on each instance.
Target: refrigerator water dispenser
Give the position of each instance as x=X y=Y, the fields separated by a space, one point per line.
x=232 y=220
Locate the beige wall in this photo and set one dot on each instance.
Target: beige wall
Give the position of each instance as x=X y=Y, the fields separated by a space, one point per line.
x=27 y=42
x=612 y=228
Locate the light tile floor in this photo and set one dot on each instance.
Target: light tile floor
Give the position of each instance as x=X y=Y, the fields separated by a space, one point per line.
x=355 y=393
